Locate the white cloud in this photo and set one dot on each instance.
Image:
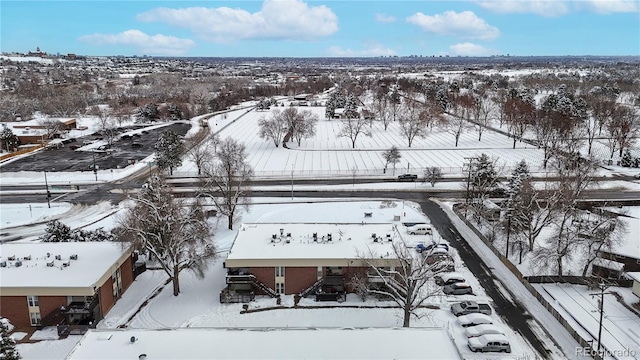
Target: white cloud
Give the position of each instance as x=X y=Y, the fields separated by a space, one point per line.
x=464 y=24
x=277 y=19
x=383 y=18
x=548 y=8
x=613 y=6
x=146 y=44
x=469 y=49
x=370 y=49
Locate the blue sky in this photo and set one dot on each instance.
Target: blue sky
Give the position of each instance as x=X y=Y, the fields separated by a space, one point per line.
x=284 y=28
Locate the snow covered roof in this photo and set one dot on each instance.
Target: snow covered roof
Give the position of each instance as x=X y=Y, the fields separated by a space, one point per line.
x=192 y=343
x=634 y=275
x=271 y=241
x=608 y=264
x=42 y=265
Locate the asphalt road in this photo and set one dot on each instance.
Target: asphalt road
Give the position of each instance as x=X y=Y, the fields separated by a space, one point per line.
x=512 y=313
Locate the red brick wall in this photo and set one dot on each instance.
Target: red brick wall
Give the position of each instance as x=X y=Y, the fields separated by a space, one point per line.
x=50 y=303
x=126 y=273
x=298 y=279
x=106 y=296
x=15 y=309
x=266 y=275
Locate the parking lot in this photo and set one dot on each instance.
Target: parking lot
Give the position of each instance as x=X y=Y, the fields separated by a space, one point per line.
x=82 y=153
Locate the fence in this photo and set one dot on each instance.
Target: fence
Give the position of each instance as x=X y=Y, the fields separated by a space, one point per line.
x=20 y=152
x=346 y=173
x=583 y=343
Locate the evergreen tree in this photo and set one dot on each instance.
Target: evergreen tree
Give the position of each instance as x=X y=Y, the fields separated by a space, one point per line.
x=57 y=232
x=351 y=107
x=484 y=177
x=169 y=148
x=521 y=172
x=8 y=140
x=627 y=159
x=7 y=345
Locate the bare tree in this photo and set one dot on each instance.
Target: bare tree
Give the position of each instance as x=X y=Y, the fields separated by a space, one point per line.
x=50 y=127
x=600 y=231
x=391 y=156
x=406 y=278
x=274 y=127
x=301 y=124
x=382 y=109
x=173 y=232
x=106 y=123
x=200 y=152
x=481 y=113
x=432 y=175
x=352 y=128
x=622 y=129
x=226 y=179
x=413 y=121
x=456 y=125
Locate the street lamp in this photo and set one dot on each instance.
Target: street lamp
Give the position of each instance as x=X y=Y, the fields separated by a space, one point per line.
x=95 y=171
x=46 y=186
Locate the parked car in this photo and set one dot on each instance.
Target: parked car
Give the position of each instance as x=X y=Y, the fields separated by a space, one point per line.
x=87 y=142
x=484 y=329
x=459 y=288
x=489 y=342
x=449 y=278
x=637 y=176
x=420 y=248
x=136 y=145
x=419 y=230
x=407 y=177
x=470 y=307
x=125 y=137
x=474 y=319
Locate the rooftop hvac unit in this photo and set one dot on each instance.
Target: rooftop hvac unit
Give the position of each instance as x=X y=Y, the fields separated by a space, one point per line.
x=74 y=257
x=315 y=236
x=281 y=232
x=18 y=263
x=27 y=257
x=3 y=264
x=329 y=237
x=65 y=264
x=58 y=257
x=48 y=254
x=50 y=264
x=11 y=258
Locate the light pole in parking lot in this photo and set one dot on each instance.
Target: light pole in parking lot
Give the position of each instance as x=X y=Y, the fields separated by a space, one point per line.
x=46 y=186
x=95 y=171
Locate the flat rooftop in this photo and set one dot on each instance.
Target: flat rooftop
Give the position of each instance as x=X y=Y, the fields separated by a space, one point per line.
x=49 y=265
x=193 y=343
x=267 y=241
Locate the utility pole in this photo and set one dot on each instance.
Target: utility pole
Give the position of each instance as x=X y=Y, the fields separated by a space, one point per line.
x=95 y=171
x=469 y=168
x=291 y=184
x=506 y=252
x=46 y=186
x=602 y=286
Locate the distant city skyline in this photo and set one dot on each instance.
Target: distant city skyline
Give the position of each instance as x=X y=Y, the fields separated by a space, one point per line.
x=331 y=28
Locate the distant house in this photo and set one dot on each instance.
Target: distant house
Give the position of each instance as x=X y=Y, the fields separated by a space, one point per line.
x=635 y=276
x=305 y=259
x=302 y=97
x=69 y=285
x=623 y=258
x=33 y=132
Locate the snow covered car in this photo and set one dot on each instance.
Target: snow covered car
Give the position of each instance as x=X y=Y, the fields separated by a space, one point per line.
x=484 y=329
x=474 y=319
x=470 y=307
x=489 y=342
x=449 y=278
x=407 y=177
x=459 y=288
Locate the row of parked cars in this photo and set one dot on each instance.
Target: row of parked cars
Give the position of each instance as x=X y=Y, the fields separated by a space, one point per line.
x=482 y=334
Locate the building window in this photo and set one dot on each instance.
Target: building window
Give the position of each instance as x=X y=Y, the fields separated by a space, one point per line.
x=32 y=300
x=279 y=288
x=319 y=272
x=35 y=318
x=116 y=283
x=279 y=271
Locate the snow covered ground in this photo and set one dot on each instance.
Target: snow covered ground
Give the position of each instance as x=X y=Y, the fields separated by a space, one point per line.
x=198 y=304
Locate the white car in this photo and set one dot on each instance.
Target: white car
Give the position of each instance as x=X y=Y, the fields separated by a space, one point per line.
x=489 y=343
x=483 y=329
x=474 y=319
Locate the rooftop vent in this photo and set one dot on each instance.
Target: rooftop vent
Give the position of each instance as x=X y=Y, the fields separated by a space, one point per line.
x=3 y=264
x=329 y=237
x=18 y=263
x=27 y=257
x=65 y=264
x=48 y=254
x=50 y=264
x=11 y=258
x=281 y=232
x=373 y=236
x=74 y=257
x=274 y=237
x=58 y=257
x=315 y=236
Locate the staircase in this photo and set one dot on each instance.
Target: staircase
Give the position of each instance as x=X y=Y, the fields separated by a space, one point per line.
x=313 y=288
x=267 y=290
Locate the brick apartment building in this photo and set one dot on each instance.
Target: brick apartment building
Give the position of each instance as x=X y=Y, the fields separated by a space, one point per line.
x=69 y=285
x=304 y=259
